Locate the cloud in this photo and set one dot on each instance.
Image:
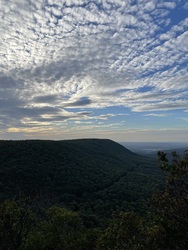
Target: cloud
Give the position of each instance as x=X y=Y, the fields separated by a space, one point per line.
x=72 y=55
x=157 y=115
x=161 y=106
x=45 y=99
x=168 y=5
x=7 y=82
x=84 y=101
x=185 y=6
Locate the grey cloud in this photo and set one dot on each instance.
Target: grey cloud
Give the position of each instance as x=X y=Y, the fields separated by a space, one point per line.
x=84 y=113
x=45 y=99
x=57 y=118
x=20 y=112
x=7 y=82
x=57 y=70
x=84 y=101
x=54 y=118
x=36 y=111
x=8 y=103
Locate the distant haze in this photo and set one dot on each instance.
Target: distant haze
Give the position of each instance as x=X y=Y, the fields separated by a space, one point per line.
x=153 y=147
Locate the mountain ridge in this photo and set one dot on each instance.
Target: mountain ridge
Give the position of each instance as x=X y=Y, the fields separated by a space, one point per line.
x=94 y=176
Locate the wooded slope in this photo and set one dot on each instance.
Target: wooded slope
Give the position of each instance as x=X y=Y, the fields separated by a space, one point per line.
x=93 y=176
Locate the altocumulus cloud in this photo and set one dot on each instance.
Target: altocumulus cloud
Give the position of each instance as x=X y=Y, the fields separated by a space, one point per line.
x=61 y=56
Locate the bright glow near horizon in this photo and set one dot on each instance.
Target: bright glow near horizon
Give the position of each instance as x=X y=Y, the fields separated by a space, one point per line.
x=107 y=68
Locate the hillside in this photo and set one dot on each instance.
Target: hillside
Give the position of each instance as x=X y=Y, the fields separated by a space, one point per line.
x=92 y=176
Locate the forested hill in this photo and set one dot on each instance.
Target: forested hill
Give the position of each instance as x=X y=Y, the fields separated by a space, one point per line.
x=93 y=176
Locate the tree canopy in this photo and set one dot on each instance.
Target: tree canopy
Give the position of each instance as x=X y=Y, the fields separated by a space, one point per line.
x=26 y=224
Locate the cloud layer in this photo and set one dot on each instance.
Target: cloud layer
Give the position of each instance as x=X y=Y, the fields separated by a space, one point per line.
x=64 y=59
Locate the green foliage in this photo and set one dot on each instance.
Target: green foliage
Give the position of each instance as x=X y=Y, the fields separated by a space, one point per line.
x=15 y=223
x=62 y=229
x=167 y=228
x=171 y=203
x=124 y=232
x=90 y=176
x=24 y=227
x=21 y=229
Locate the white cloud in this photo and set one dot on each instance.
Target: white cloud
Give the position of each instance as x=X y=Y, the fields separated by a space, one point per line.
x=157 y=115
x=164 y=105
x=169 y=5
x=73 y=54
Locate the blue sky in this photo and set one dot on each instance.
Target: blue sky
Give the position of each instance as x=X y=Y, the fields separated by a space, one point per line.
x=106 y=68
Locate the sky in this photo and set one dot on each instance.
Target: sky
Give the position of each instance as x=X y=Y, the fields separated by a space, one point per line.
x=114 y=69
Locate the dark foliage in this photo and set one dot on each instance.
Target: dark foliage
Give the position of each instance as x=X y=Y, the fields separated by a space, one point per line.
x=171 y=203
x=25 y=225
x=94 y=177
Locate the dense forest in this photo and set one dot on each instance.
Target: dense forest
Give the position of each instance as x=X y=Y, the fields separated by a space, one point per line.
x=90 y=194
x=94 y=177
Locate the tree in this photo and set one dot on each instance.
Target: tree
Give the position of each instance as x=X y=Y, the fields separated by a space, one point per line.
x=171 y=203
x=167 y=227
x=62 y=229
x=125 y=231
x=15 y=223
